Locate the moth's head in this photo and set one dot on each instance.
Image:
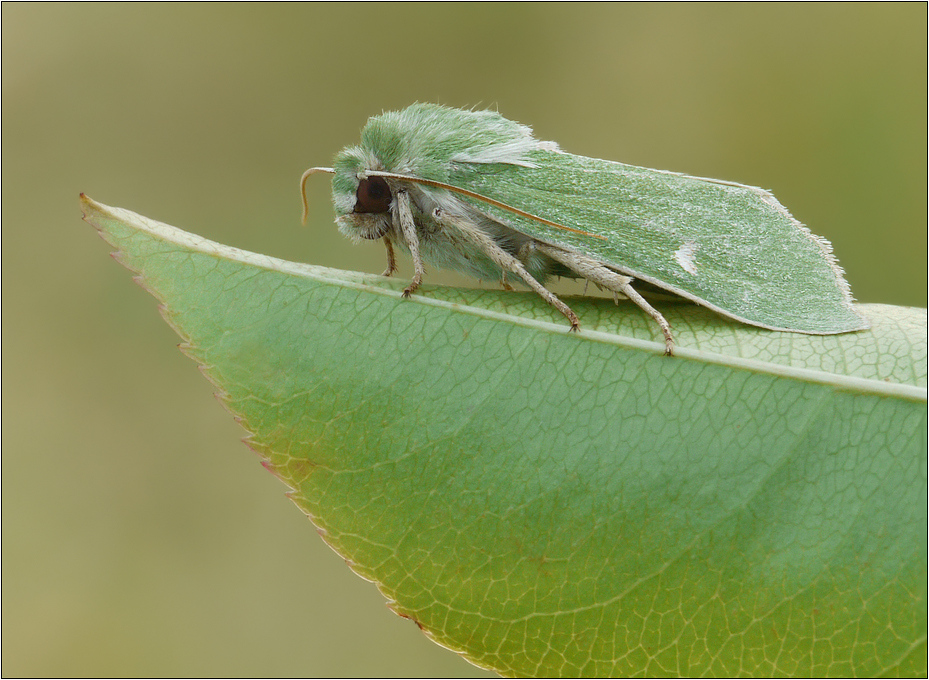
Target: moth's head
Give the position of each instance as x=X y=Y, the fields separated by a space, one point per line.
x=362 y=204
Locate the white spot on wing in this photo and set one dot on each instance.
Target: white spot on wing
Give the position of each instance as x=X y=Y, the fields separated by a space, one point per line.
x=685 y=256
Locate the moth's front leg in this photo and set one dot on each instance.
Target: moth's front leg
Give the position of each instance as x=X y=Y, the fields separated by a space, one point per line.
x=403 y=215
x=391 y=259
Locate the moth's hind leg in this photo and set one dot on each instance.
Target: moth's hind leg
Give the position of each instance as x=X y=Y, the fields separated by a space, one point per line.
x=592 y=270
x=503 y=259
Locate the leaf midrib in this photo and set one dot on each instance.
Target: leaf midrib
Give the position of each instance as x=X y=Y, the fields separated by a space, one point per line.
x=174 y=235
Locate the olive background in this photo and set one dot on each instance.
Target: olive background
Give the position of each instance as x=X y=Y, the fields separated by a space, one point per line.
x=140 y=537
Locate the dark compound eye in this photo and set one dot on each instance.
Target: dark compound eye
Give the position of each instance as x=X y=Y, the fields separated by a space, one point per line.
x=373 y=196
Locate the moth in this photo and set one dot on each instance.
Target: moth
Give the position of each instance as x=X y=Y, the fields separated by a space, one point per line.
x=475 y=192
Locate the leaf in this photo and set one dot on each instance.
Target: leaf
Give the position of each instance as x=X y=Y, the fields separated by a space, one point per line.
x=557 y=504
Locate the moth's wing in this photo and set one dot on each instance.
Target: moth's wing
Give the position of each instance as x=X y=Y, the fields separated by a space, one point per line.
x=730 y=247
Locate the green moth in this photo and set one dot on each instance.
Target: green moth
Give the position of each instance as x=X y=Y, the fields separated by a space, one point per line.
x=475 y=192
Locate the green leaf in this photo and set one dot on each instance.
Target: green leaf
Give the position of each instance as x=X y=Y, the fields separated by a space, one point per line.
x=549 y=503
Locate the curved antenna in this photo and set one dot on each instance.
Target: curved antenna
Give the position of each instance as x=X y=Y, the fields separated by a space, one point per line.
x=311 y=171
x=480 y=197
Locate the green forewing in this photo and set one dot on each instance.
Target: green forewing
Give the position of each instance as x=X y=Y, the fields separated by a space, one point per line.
x=729 y=246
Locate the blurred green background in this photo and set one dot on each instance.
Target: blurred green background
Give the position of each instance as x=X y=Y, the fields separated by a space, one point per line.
x=139 y=536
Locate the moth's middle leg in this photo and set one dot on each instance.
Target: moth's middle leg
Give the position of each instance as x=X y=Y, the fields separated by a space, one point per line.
x=592 y=270
x=503 y=259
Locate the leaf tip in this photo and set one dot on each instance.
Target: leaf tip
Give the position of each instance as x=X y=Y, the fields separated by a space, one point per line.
x=88 y=204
